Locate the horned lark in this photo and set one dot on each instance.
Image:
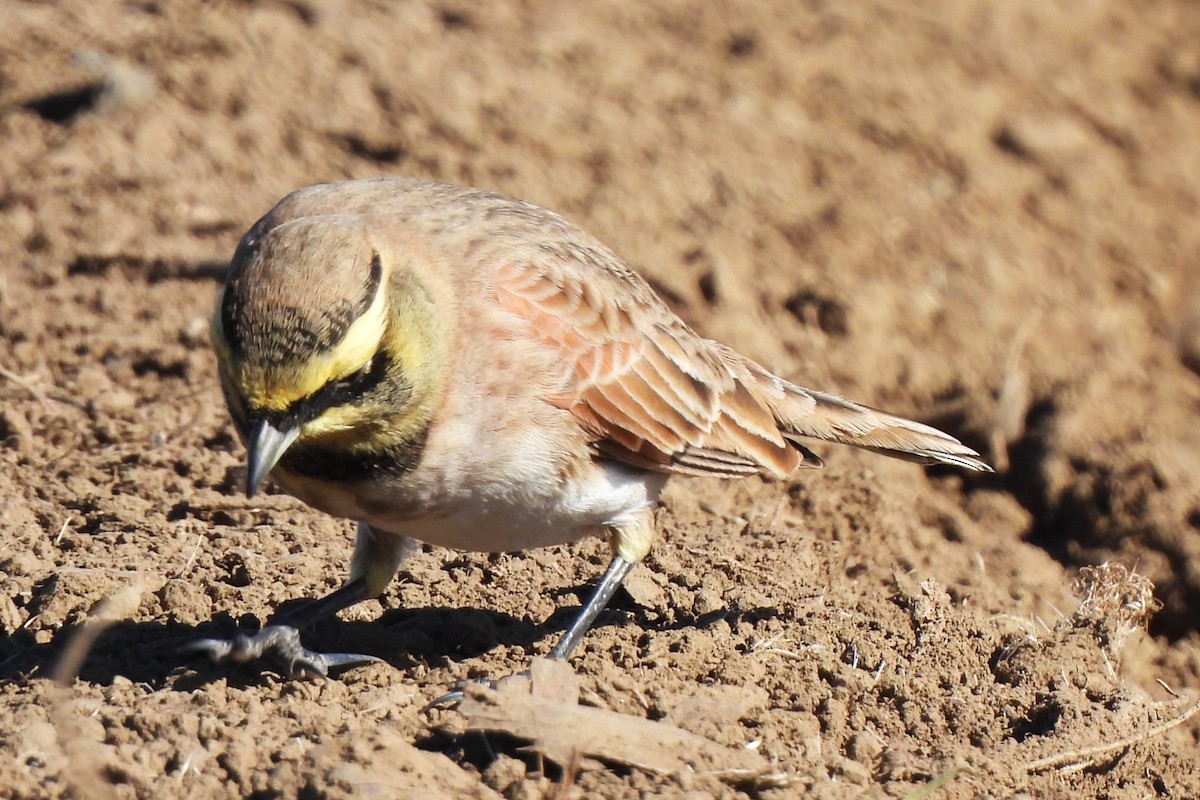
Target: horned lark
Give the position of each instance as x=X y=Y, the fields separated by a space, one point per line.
x=448 y=365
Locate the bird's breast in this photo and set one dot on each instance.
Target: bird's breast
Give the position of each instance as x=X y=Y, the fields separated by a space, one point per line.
x=497 y=515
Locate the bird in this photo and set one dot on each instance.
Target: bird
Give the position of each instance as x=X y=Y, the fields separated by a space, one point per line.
x=448 y=365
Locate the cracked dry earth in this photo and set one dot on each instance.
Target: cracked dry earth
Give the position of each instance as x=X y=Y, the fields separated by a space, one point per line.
x=983 y=215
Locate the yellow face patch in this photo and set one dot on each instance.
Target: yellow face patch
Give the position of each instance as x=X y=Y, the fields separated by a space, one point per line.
x=335 y=420
x=401 y=325
x=277 y=388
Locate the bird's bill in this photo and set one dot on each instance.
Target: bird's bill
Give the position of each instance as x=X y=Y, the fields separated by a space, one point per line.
x=266 y=446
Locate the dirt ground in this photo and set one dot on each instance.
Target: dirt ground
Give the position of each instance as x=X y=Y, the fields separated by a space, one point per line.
x=984 y=215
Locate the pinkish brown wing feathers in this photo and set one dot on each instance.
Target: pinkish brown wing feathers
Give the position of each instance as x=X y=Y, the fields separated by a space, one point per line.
x=654 y=394
x=650 y=391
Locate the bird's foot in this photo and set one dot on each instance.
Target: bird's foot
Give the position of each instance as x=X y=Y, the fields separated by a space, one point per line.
x=458 y=693
x=279 y=644
x=547 y=678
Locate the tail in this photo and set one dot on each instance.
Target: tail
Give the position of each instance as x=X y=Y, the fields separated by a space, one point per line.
x=805 y=413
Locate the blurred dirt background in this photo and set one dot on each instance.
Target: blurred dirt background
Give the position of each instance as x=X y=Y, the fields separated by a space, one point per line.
x=985 y=215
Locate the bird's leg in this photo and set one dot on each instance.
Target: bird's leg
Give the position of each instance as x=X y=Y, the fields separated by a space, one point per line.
x=374 y=555
x=618 y=568
x=313 y=611
x=630 y=543
x=630 y=540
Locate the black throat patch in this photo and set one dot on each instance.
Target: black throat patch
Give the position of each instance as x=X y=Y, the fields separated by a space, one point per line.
x=339 y=465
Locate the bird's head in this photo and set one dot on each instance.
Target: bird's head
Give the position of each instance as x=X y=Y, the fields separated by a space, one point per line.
x=324 y=344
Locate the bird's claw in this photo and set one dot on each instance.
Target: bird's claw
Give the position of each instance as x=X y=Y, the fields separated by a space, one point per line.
x=521 y=681
x=458 y=693
x=281 y=644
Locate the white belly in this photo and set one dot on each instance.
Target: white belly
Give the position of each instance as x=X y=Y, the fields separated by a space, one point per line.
x=498 y=517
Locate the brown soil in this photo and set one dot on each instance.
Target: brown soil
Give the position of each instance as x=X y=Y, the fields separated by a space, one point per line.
x=980 y=214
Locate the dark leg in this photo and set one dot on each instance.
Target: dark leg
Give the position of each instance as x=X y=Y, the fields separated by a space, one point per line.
x=617 y=570
x=350 y=593
x=281 y=638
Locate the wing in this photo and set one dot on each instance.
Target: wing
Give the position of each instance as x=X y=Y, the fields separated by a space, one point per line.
x=647 y=389
x=654 y=394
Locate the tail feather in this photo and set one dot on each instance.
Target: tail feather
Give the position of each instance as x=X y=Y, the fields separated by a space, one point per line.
x=816 y=415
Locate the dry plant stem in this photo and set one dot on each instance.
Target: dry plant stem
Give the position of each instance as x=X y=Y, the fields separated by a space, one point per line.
x=88 y=761
x=27 y=383
x=569 y=777
x=1073 y=760
x=1014 y=399
x=111 y=609
x=192 y=558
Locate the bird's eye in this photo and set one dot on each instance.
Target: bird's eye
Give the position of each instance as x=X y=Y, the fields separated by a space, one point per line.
x=356 y=382
x=351 y=389
x=360 y=375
